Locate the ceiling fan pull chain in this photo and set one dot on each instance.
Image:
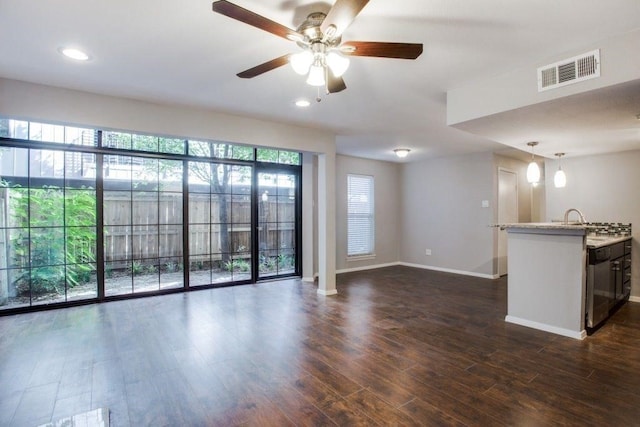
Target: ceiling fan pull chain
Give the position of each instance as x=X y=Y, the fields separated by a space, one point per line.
x=318 y=98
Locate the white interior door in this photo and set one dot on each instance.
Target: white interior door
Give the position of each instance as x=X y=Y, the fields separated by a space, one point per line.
x=507 y=212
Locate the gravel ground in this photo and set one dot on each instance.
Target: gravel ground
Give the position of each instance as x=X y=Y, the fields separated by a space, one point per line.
x=122 y=284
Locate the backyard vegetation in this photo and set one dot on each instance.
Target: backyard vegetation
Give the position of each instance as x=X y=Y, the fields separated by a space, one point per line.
x=55 y=230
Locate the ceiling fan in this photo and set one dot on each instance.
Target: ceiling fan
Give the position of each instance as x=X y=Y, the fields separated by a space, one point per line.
x=323 y=57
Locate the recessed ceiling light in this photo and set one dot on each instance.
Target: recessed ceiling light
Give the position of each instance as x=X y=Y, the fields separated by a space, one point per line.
x=402 y=152
x=73 y=53
x=302 y=103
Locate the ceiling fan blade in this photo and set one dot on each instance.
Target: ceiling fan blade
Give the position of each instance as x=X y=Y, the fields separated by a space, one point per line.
x=263 y=68
x=382 y=49
x=243 y=15
x=341 y=16
x=335 y=84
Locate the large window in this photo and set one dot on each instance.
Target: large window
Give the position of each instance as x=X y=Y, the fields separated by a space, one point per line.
x=47 y=227
x=360 y=215
x=89 y=214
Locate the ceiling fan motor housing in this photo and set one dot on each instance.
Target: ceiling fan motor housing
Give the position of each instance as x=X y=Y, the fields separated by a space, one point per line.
x=310 y=28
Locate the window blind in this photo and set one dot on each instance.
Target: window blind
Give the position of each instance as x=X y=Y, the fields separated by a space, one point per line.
x=360 y=215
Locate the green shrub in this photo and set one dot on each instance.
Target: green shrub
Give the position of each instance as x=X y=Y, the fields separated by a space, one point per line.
x=137 y=268
x=59 y=257
x=285 y=262
x=268 y=264
x=40 y=281
x=239 y=265
x=171 y=267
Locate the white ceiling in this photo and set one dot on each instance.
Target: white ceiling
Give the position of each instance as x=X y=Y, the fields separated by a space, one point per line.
x=180 y=52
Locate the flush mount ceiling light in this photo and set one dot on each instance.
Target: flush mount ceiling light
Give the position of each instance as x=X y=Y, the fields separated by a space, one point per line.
x=533 y=170
x=402 y=152
x=74 y=53
x=560 y=178
x=302 y=103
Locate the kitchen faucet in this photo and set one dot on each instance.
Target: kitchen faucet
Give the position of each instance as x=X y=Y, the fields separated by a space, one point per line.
x=566 y=215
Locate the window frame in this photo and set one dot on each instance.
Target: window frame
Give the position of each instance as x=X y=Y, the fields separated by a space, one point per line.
x=15 y=135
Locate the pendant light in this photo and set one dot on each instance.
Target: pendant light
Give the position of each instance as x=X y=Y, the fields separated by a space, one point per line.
x=533 y=170
x=560 y=178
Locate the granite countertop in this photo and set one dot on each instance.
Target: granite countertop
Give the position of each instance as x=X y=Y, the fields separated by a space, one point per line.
x=545 y=225
x=600 y=241
x=593 y=241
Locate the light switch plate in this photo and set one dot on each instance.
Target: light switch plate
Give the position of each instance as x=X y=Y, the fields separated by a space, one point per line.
x=485 y=203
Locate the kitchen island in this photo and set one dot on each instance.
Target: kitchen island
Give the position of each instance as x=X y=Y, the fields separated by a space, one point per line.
x=547 y=281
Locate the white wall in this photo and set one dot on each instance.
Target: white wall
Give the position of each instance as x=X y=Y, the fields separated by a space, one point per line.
x=518 y=88
x=605 y=189
x=387 y=196
x=442 y=211
x=55 y=105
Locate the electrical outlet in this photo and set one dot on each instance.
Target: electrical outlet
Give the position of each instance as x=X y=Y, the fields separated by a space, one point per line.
x=427 y=251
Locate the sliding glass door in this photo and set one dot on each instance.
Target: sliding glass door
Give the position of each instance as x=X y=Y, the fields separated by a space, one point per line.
x=277 y=231
x=142 y=211
x=219 y=223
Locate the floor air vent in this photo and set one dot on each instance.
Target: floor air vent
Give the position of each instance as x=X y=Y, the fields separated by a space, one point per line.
x=572 y=70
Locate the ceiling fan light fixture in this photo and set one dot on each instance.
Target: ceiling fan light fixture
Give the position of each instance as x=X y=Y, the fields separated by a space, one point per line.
x=316 y=75
x=338 y=63
x=301 y=62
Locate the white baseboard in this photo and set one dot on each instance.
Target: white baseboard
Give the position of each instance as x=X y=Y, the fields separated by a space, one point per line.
x=309 y=279
x=327 y=293
x=579 y=335
x=450 y=270
x=425 y=267
x=368 y=267
x=634 y=299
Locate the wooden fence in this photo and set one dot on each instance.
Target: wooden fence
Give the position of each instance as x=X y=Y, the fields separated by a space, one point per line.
x=149 y=225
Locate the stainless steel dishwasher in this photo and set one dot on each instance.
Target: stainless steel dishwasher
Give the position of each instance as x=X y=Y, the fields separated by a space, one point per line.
x=601 y=292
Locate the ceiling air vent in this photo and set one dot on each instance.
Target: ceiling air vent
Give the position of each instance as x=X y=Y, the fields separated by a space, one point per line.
x=568 y=71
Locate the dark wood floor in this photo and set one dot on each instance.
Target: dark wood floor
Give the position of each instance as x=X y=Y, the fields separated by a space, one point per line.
x=397 y=346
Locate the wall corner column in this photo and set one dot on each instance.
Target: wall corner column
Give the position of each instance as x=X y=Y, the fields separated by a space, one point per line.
x=327 y=224
x=308 y=225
